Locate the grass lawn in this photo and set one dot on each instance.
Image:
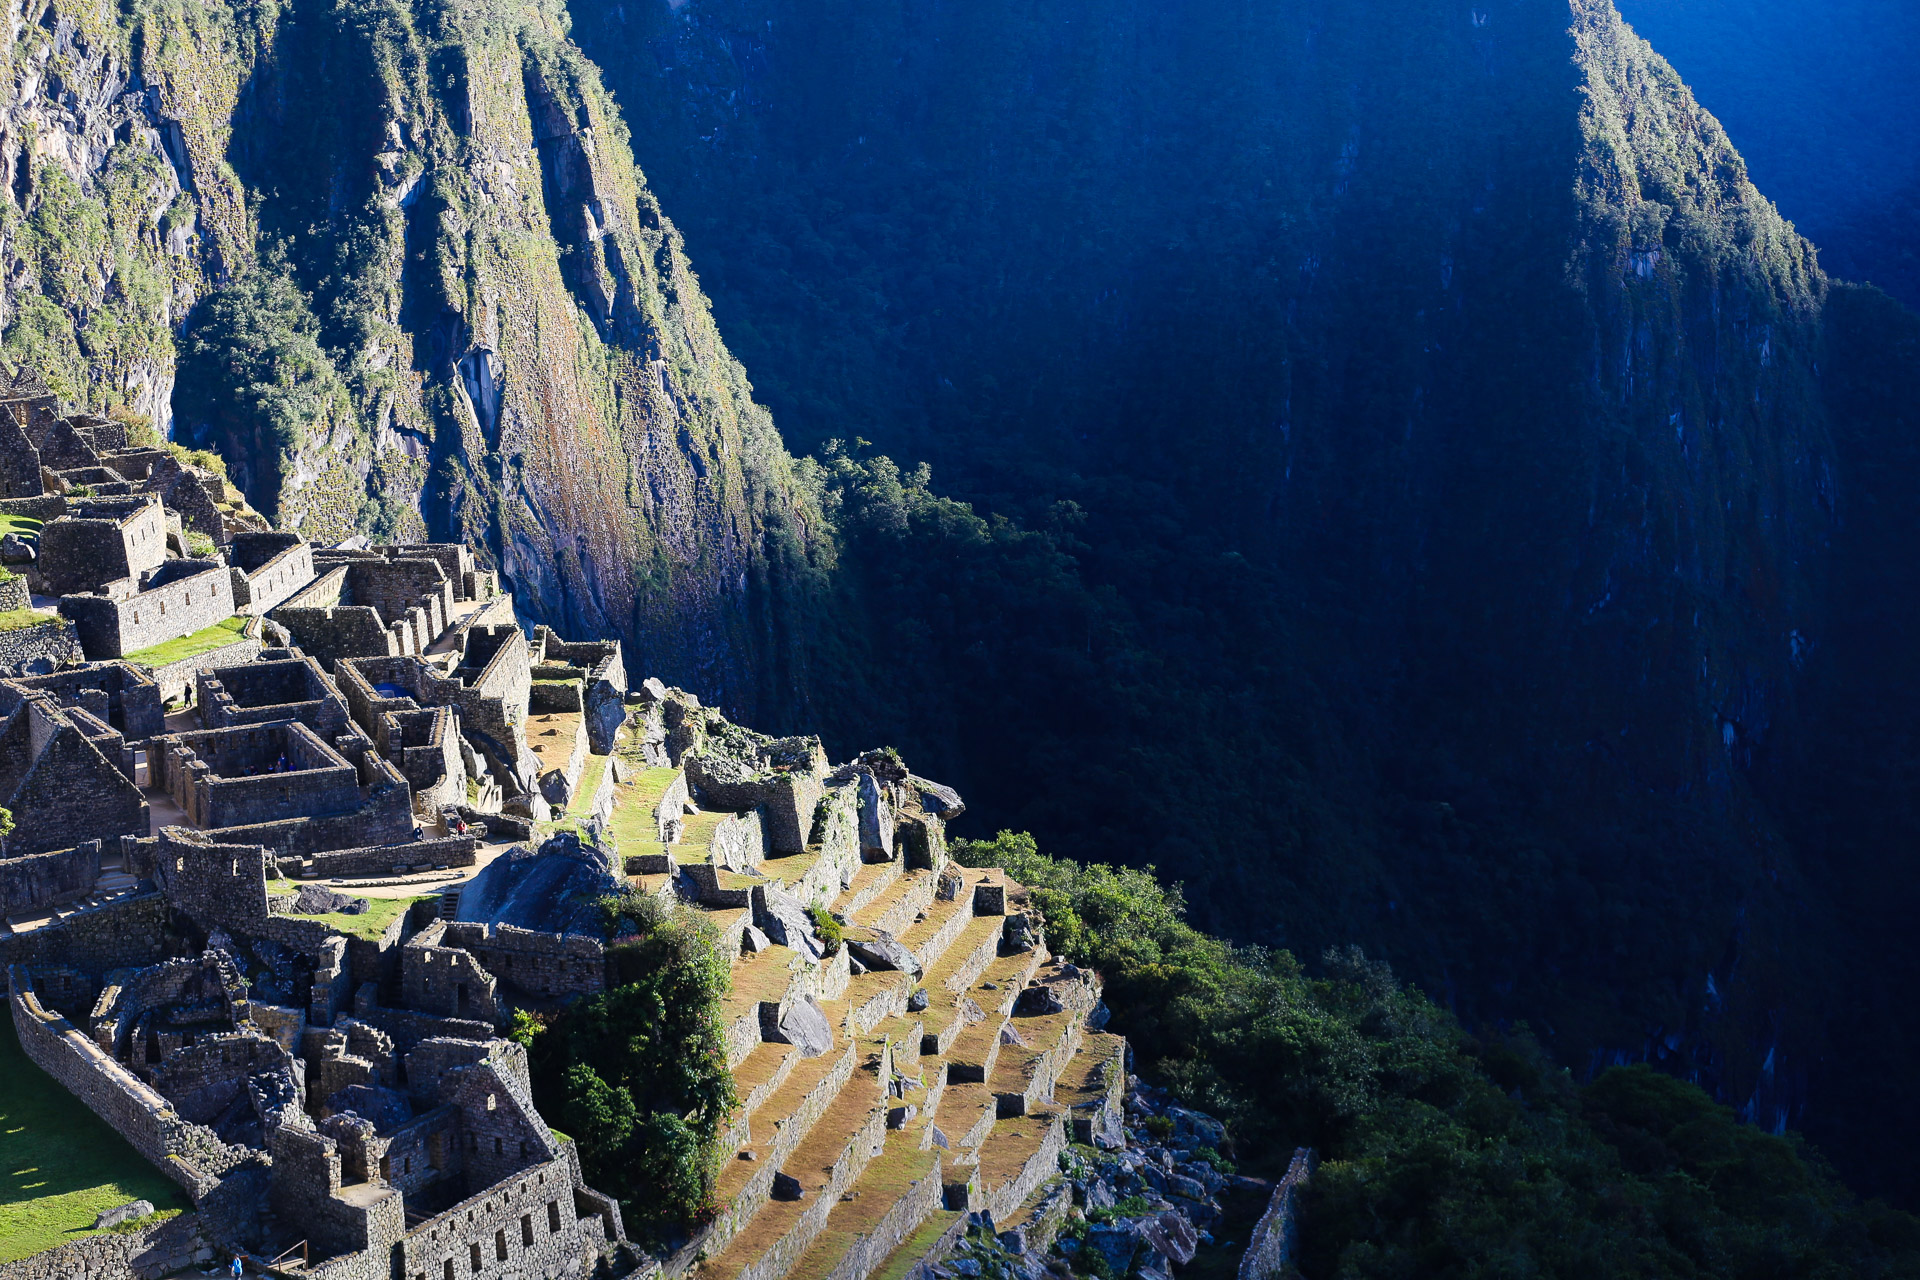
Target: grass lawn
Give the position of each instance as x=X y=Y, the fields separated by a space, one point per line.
x=61 y=1163
x=21 y=619
x=26 y=526
x=634 y=828
x=204 y=641
x=370 y=923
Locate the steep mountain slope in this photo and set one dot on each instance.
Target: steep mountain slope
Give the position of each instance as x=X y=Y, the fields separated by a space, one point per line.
x=1414 y=414
x=419 y=286
x=1819 y=98
x=1405 y=502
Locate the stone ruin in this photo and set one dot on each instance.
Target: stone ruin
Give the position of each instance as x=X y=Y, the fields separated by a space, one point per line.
x=272 y=903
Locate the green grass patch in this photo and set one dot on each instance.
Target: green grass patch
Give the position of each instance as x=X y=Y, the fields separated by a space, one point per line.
x=372 y=922
x=26 y=526
x=61 y=1164
x=22 y=619
x=217 y=636
x=633 y=826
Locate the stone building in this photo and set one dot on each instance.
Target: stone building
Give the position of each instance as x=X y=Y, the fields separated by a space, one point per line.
x=178 y=598
x=99 y=541
x=118 y=694
x=281 y=684
x=65 y=776
x=268 y=569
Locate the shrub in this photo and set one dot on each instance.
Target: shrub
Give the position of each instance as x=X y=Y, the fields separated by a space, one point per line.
x=1442 y=1150
x=638 y=1074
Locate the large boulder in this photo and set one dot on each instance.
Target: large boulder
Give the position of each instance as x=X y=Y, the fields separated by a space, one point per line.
x=943 y=802
x=876 y=821
x=878 y=949
x=787 y=921
x=15 y=549
x=803 y=1024
x=124 y=1213
x=318 y=900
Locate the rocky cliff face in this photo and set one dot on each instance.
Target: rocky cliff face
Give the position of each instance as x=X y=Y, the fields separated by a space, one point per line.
x=1417 y=408
x=1439 y=403
x=418 y=286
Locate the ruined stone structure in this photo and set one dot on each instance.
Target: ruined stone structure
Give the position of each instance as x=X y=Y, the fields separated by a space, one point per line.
x=126 y=615
x=323 y=1067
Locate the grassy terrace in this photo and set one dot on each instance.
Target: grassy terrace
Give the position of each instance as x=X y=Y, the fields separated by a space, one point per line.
x=25 y=526
x=21 y=619
x=61 y=1163
x=369 y=924
x=373 y=922
x=633 y=805
x=217 y=636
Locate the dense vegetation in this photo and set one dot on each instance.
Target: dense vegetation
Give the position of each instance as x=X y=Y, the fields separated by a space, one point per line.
x=1380 y=474
x=1818 y=101
x=638 y=1074
x=1445 y=1154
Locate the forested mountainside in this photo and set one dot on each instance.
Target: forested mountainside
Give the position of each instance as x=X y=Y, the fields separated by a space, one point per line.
x=1404 y=498
x=395 y=263
x=1819 y=99
x=1391 y=469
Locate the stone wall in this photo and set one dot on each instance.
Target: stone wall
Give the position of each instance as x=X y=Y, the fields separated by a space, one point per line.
x=95 y=543
x=257 y=590
x=162 y=1249
x=216 y=884
x=55 y=640
x=385 y=859
x=176 y=678
x=44 y=879
x=328 y=625
x=120 y=934
x=529 y=1224
x=47 y=507
x=547 y=966
x=1270 y=1248
x=188 y=1154
x=118 y=693
x=175 y=600
x=260 y=692
x=61 y=787
x=201 y=1079
x=243 y=775
x=446 y=980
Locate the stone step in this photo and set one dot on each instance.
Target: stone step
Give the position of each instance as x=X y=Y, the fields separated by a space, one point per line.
x=877 y=996
x=773 y=976
x=896 y=908
x=869 y=882
x=966 y=955
x=1017 y=1155
x=1026 y=1074
x=755 y=1080
x=1091 y=1088
x=825 y=1165
x=895 y=1195
x=781 y=1125
x=811 y=876
x=975 y=1051
x=935 y=1236
x=965 y=1115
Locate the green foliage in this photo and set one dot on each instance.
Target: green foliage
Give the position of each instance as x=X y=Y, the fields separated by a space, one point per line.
x=6 y=822
x=254 y=377
x=831 y=931
x=199 y=544
x=638 y=1074
x=1445 y=1154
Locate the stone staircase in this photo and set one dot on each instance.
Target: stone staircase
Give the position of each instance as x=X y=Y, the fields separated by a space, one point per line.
x=869 y=1154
